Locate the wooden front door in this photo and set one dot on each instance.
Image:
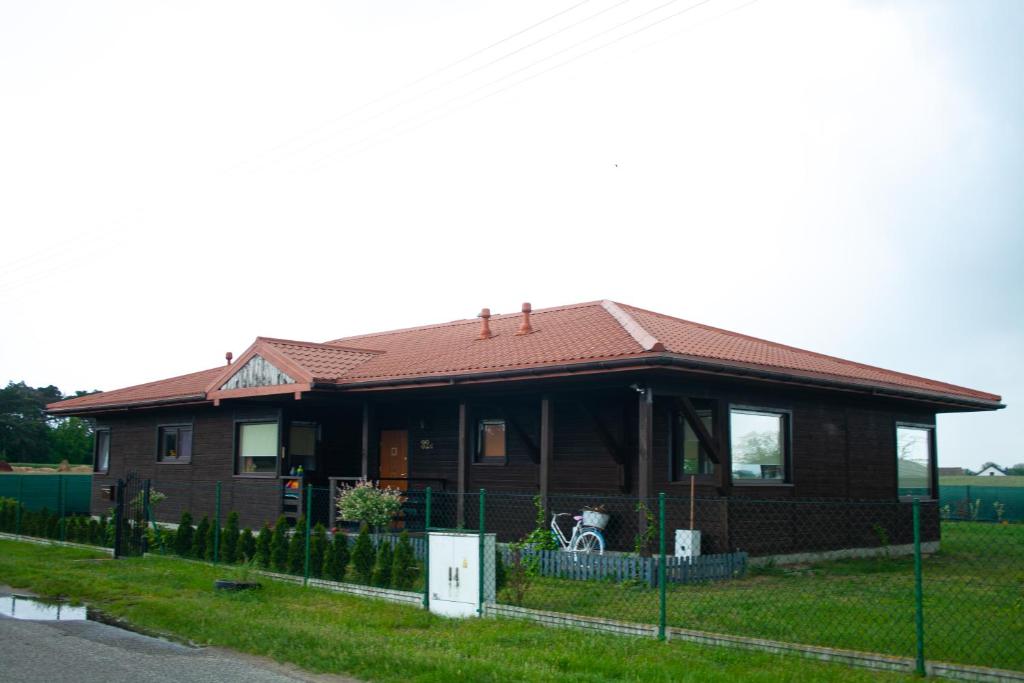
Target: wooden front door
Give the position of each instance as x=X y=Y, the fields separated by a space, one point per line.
x=394 y=458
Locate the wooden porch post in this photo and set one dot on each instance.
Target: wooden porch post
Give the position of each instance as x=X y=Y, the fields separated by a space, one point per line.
x=645 y=446
x=724 y=447
x=367 y=442
x=546 y=446
x=463 y=464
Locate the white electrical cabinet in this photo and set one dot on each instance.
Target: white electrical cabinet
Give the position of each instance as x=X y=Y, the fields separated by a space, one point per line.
x=454 y=572
x=687 y=543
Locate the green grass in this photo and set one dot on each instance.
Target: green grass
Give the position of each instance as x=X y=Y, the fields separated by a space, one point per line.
x=973 y=601
x=326 y=632
x=1009 y=482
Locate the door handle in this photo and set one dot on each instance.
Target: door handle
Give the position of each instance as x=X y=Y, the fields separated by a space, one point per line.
x=456 y=577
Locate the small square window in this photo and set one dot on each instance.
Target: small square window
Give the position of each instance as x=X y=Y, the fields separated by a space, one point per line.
x=490 y=443
x=174 y=444
x=760 y=445
x=257 y=446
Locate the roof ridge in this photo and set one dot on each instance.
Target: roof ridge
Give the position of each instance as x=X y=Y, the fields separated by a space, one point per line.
x=464 y=321
x=646 y=340
x=319 y=345
x=798 y=349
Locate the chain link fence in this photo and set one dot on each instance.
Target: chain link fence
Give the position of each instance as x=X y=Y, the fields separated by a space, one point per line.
x=913 y=580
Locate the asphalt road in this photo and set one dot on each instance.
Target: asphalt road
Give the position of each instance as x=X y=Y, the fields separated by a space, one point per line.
x=86 y=651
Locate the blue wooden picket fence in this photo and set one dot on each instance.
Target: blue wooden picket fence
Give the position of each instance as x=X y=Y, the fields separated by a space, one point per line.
x=626 y=567
x=610 y=566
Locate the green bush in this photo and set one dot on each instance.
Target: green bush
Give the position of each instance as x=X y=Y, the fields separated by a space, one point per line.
x=229 y=540
x=200 y=537
x=263 y=542
x=500 y=573
x=246 y=547
x=211 y=541
x=404 y=570
x=279 y=545
x=382 y=566
x=297 y=547
x=182 y=538
x=336 y=558
x=363 y=556
x=95 y=533
x=317 y=550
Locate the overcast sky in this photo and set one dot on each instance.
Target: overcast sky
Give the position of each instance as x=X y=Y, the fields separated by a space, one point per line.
x=177 y=178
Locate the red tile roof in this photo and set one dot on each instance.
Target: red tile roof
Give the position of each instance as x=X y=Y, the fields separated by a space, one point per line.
x=323 y=362
x=173 y=390
x=565 y=335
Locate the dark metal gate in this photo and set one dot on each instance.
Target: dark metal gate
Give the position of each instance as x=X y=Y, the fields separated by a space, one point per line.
x=132 y=501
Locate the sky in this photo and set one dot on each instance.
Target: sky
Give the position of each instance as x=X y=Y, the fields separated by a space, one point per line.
x=177 y=178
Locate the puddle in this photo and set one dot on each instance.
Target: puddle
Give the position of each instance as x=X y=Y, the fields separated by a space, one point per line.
x=24 y=607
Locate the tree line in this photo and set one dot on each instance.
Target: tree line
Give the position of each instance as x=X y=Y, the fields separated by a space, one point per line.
x=29 y=434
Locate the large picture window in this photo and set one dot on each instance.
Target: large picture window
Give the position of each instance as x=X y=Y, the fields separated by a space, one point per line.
x=689 y=457
x=490 y=442
x=914 y=460
x=759 y=446
x=101 y=457
x=174 y=444
x=257 y=449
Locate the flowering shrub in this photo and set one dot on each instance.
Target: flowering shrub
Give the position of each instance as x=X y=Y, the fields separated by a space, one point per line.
x=367 y=503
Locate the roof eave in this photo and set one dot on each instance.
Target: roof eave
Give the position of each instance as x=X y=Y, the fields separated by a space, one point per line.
x=73 y=411
x=670 y=360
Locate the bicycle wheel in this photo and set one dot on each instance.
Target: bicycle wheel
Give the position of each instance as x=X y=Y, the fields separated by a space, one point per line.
x=589 y=542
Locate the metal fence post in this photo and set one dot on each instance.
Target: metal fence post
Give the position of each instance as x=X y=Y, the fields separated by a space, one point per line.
x=17 y=520
x=118 y=517
x=60 y=503
x=662 y=617
x=426 y=552
x=918 y=589
x=309 y=515
x=216 y=527
x=480 y=597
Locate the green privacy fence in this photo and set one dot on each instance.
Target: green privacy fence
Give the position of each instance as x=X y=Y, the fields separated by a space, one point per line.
x=70 y=492
x=982 y=503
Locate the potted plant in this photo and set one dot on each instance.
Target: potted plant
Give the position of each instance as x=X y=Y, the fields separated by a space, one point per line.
x=241 y=578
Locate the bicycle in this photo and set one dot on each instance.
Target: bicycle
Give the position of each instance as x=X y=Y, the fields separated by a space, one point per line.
x=584 y=539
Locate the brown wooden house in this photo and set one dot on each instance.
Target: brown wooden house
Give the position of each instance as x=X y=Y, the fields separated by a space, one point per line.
x=596 y=397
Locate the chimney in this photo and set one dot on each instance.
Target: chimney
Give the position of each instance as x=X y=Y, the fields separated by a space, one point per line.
x=228 y=356
x=485 y=326
x=524 y=327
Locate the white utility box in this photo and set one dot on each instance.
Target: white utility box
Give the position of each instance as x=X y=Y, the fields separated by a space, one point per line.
x=687 y=543
x=455 y=575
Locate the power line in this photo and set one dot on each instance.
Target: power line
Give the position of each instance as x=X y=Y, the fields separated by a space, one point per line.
x=462 y=76
x=528 y=78
x=421 y=79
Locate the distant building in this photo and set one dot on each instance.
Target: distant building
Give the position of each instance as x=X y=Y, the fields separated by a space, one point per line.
x=991 y=471
x=952 y=472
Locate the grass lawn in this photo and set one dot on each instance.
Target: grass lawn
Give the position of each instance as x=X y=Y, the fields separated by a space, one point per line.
x=379 y=641
x=982 y=481
x=973 y=601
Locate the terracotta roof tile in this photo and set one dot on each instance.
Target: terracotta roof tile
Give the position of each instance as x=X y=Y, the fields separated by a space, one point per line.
x=693 y=339
x=597 y=330
x=561 y=335
x=182 y=387
x=325 y=362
